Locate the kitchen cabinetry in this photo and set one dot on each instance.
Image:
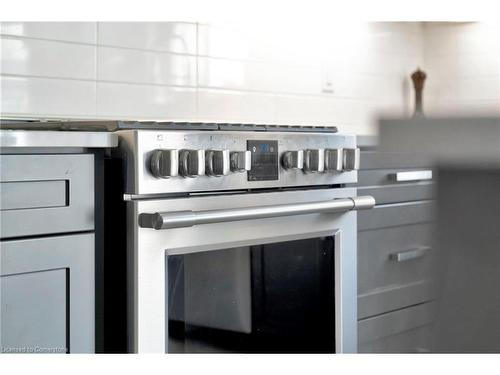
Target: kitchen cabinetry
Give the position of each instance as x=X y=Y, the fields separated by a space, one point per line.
x=51 y=241
x=395 y=253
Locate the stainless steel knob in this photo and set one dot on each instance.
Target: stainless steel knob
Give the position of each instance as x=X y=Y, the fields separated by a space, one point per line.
x=164 y=163
x=351 y=159
x=293 y=159
x=334 y=160
x=314 y=160
x=241 y=161
x=191 y=163
x=217 y=162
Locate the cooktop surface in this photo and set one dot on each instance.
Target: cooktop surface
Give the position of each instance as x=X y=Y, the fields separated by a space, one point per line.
x=113 y=125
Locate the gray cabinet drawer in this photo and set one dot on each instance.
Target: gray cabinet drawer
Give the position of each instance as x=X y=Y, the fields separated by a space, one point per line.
x=43 y=194
x=399 y=176
x=379 y=160
x=47 y=288
x=395 y=268
x=384 y=187
x=386 y=194
x=391 y=215
x=404 y=331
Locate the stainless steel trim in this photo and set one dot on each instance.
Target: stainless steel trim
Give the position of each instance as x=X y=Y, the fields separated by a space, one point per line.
x=39 y=138
x=413 y=175
x=403 y=256
x=182 y=219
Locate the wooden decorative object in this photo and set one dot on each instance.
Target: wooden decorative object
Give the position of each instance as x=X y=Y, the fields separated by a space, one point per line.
x=418 y=77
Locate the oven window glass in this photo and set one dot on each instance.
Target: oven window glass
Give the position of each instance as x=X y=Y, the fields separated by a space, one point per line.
x=269 y=298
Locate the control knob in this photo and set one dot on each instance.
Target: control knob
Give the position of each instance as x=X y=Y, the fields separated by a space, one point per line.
x=293 y=159
x=351 y=159
x=314 y=160
x=191 y=163
x=241 y=161
x=164 y=163
x=217 y=162
x=334 y=160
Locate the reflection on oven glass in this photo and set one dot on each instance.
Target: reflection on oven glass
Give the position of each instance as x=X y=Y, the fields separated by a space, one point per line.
x=268 y=298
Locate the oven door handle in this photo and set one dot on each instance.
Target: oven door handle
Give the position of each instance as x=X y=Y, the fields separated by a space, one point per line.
x=182 y=219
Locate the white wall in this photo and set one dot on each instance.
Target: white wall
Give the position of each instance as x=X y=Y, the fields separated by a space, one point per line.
x=340 y=75
x=462 y=61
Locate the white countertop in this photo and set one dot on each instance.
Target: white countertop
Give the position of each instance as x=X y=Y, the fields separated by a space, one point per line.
x=56 y=139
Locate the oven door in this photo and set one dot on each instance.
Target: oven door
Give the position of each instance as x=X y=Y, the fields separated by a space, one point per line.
x=255 y=272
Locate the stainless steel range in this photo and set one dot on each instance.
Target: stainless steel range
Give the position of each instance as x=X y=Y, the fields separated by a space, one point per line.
x=240 y=238
x=227 y=237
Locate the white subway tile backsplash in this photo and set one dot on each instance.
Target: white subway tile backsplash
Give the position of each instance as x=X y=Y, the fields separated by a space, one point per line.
x=476 y=88
x=127 y=65
x=463 y=108
x=295 y=109
x=179 y=37
x=365 y=86
x=440 y=38
x=259 y=76
x=129 y=101
x=465 y=65
x=365 y=61
x=448 y=38
x=464 y=74
x=80 y=32
x=234 y=106
x=346 y=114
x=233 y=42
x=479 y=37
x=306 y=80
x=408 y=44
x=342 y=74
x=33 y=97
x=34 y=57
x=234 y=74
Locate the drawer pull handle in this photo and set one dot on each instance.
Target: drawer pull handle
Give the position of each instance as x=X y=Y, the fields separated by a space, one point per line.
x=403 y=256
x=413 y=176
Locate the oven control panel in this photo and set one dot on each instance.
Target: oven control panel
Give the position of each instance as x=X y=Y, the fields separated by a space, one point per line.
x=264 y=162
x=204 y=161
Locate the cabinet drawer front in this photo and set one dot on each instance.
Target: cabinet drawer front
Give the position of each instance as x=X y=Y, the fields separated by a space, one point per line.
x=392 y=215
x=395 y=267
x=396 y=176
x=387 y=194
x=406 y=330
x=379 y=160
x=44 y=194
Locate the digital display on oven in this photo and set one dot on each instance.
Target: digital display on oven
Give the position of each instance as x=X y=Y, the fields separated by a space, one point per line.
x=264 y=160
